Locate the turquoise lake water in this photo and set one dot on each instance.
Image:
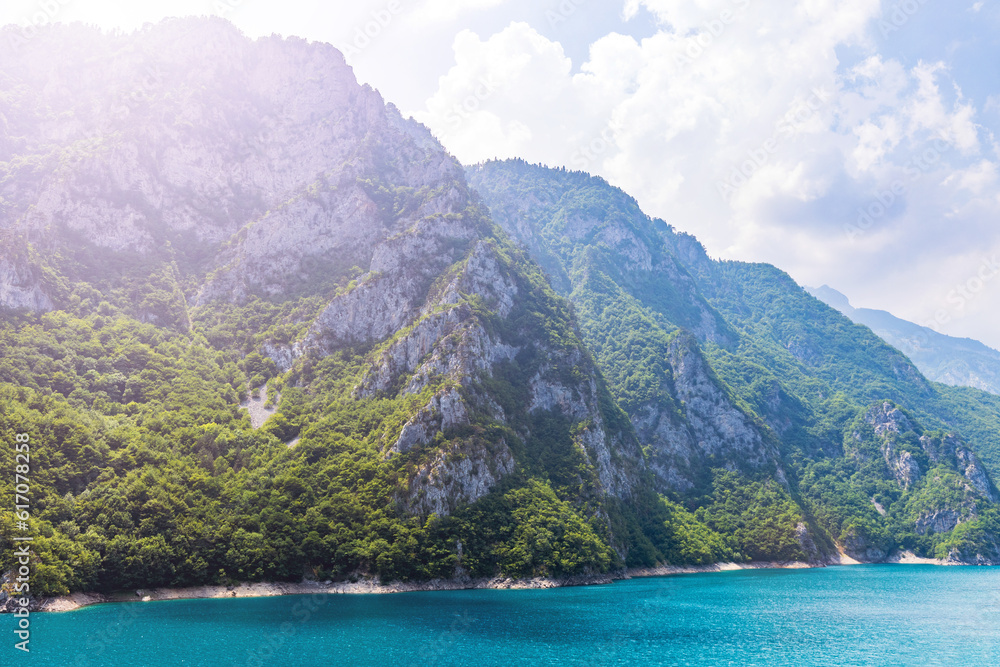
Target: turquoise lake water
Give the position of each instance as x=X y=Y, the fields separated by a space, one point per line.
x=861 y=615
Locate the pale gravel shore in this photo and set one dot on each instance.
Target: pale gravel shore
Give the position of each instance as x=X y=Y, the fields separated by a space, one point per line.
x=265 y=589
x=373 y=587
x=910 y=558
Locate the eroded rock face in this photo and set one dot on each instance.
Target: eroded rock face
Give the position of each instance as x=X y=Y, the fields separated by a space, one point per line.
x=290 y=173
x=334 y=222
x=973 y=470
x=445 y=411
x=459 y=475
x=392 y=293
x=940 y=521
x=719 y=426
x=445 y=339
x=903 y=466
x=434 y=335
x=887 y=419
x=888 y=422
x=220 y=159
x=951 y=450
x=20 y=286
x=579 y=402
x=708 y=429
x=861 y=548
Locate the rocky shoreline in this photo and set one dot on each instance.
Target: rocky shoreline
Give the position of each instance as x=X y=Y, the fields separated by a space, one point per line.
x=373 y=587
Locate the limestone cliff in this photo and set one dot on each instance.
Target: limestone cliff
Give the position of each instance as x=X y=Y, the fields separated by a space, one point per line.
x=250 y=169
x=503 y=356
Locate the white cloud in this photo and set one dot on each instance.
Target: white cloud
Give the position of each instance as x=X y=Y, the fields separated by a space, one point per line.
x=501 y=86
x=723 y=88
x=724 y=94
x=927 y=111
x=976 y=178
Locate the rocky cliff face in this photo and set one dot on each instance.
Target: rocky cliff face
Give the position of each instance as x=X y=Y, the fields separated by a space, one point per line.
x=20 y=282
x=154 y=151
x=614 y=250
x=707 y=431
x=291 y=174
x=252 y=198
x=261 y=170
x=889 y=423
x=450 y=344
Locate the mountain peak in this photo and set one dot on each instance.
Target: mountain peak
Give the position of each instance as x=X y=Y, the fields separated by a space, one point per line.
x=947 y=359
x=832 y=298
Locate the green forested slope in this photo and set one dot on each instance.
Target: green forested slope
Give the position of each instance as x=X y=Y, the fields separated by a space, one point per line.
x=810 y=377
x=146 y=472
x=555 y=385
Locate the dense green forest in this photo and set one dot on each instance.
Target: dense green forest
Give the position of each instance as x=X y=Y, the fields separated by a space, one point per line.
x=146 y=471
x=504 y=370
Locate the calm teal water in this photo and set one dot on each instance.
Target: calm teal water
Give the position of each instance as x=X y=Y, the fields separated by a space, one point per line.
x=863 y=615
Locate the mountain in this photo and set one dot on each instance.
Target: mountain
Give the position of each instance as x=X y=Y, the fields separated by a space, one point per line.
x=953 y=361
x=827 y=394
x=263 y=230
x=259 y=326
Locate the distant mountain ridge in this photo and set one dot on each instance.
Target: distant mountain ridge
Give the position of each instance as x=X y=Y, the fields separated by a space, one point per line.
x=960 y=362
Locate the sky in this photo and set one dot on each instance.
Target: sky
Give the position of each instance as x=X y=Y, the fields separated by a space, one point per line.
x=849 y=142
